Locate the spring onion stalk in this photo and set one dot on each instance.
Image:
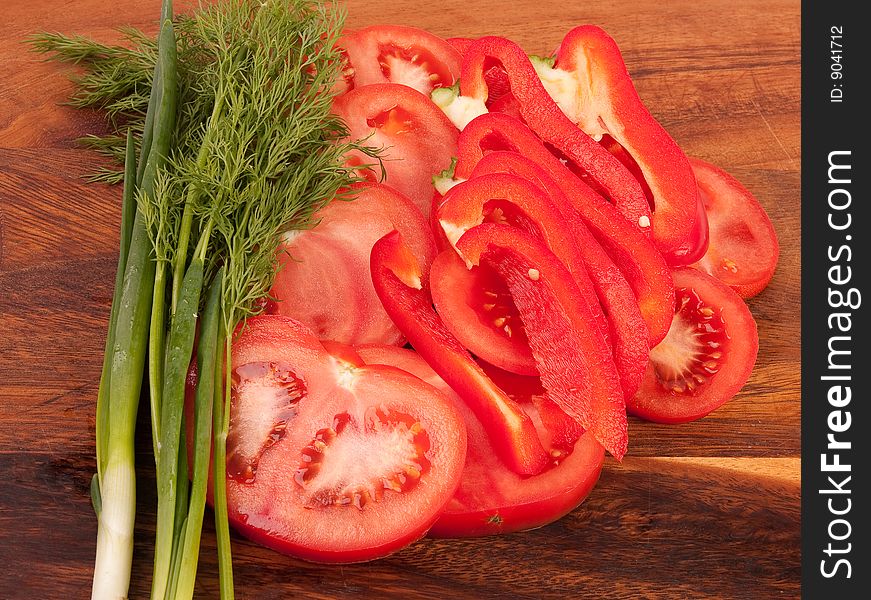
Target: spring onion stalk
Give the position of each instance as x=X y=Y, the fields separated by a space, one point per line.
x=128 y=210
x=181 y=341
x=156 y=355
x=114 y=553
x=207 y=356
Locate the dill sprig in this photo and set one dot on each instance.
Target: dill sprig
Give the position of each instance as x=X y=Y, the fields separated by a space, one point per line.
x=117 y=80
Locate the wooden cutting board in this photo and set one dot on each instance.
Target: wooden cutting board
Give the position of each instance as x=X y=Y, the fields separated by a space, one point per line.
x=709 y=509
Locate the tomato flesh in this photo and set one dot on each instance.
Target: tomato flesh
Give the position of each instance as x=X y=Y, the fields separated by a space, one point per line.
x=416 y=138
x=330 y=461
x=324 y=278
x=706 y=357
x=399 y=54
x=491 y=498
x=743 y=247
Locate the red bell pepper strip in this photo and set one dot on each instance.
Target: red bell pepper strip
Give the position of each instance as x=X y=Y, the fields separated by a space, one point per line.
x=396 y=275
x=526 y=206
x=572 y=357
x=599 y=281
x=609 y=106
x=635 y=255
x=625 y=326
x=538 y=110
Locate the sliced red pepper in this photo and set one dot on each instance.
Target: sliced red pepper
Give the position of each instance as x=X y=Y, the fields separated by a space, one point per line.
x=609 y=108
x=396 y=275
x=635 y=255
x=599 y=167
x=625 y=326
x=573 y=358
x=563 y=429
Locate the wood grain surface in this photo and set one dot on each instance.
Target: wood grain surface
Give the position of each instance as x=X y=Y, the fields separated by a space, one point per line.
x=709 y=509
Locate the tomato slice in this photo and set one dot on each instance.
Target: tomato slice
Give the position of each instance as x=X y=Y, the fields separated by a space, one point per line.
x=416 y=138
x=329 y=461
x=705 y=359
x=400 y=54
x=324 y=278
x=491 y=498
x=743 y=248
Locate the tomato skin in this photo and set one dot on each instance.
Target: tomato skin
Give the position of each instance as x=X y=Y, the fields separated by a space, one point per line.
x=273 y=509
x=324 y=278
x=738 y=348
x=573 y=359
x=541 y=113
x=492 y=500
x=743 y=248
x=460 y=44
x=634 y=254
x=401 y=54
x=593 y=56
x=418 y=140
x=397 y=279
x=488 y=488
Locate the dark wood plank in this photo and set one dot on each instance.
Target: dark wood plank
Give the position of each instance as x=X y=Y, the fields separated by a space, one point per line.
x=652 y=528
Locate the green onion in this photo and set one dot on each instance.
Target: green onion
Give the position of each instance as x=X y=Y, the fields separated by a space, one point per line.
x=207 y=367
x=181 y=341
x=118 y=480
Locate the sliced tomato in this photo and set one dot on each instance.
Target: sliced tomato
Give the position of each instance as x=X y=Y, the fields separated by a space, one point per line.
x=416 y=138
x=705 y=359
x=460 y=44
x=329 y=461
x=491 y=498
x=407 y=360
x=324 y=278
x=743 y=247
x=400 y=54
